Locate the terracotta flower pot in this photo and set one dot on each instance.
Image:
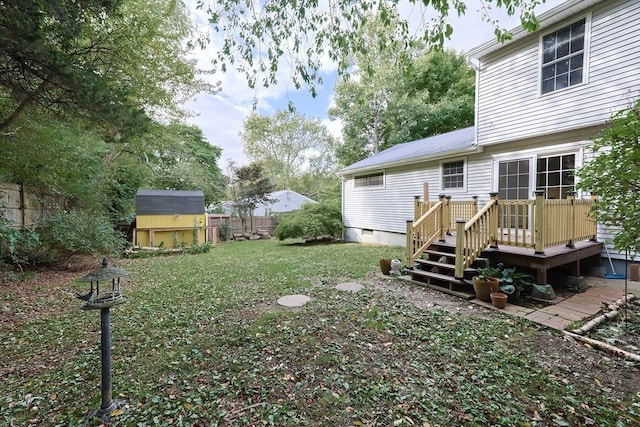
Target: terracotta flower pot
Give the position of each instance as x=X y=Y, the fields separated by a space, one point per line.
x=484 y=287
x=498 y=299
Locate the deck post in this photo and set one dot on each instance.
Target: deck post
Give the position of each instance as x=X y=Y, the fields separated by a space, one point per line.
x=594 y=197
x=417 y=212
x=444 y=219
x=410 y=249
x=572 y=219
x=425 y=191
x=539 y=222
x=475 y=204
x=447 y=215
x=460 y=249
x=493 y=222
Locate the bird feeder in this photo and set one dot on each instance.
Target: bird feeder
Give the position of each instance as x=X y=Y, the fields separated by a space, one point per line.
x=103 y=296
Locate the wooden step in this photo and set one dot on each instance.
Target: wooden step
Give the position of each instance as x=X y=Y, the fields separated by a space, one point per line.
x=428 y=262
x=439 y=254
x=437 y=276
x=458 y=293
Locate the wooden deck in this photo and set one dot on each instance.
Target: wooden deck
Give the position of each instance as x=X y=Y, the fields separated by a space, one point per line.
x=573 y=259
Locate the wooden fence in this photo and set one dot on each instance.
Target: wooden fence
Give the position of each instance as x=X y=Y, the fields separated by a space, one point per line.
x=234 y=225
x=21 y=206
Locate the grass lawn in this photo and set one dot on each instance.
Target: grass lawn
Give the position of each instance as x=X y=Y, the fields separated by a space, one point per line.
x=202 y=342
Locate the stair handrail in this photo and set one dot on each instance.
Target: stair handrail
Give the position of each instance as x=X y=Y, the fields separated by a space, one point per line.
x=416 y=228
x=417 y=223
x=469 y=242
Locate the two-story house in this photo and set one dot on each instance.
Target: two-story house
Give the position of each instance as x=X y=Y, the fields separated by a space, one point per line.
x=540 y=98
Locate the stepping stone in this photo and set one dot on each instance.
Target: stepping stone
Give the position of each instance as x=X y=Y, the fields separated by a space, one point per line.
x=294 y=300
x=349 y=286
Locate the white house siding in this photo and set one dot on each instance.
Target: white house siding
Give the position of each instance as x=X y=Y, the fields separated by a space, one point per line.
x=510 y=106
x=385 y=208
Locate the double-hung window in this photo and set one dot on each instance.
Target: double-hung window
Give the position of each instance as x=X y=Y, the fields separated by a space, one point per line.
x=563 y=57
x=453 y=175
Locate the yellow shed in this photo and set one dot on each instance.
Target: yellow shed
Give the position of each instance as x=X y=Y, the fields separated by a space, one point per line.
x=169 y=218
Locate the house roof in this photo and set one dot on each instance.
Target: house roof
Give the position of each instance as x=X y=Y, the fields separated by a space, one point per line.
x=446 y=144
x=547 y=20
x=279 y=194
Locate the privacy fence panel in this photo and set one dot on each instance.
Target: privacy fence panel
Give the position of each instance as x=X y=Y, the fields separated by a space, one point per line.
x=21 y=206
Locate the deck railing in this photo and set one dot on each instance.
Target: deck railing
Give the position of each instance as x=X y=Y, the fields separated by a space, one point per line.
x=473 y=236
x=457 y=209
x=536 y=224
x=422 y=232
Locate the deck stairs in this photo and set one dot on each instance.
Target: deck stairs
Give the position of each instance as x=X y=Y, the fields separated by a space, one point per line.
x=436 y=267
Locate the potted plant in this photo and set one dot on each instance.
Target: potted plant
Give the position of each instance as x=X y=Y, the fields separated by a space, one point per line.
x=486 y=282
x=513 y=283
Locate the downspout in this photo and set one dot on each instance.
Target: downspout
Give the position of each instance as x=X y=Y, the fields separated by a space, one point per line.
x=342 y=206
x=476 y=65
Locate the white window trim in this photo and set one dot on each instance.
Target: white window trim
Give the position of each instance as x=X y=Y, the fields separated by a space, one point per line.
x=511 y=157
x=587 y=54
x=465 y=166
x=370 y=187
x=579 y=160
x=532 y=155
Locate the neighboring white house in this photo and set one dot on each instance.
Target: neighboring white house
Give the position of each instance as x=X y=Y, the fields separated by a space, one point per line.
x=539 y=99
x=283 y=201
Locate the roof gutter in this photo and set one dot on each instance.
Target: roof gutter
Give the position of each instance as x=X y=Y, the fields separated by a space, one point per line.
x=547 y=19
x=412 y=160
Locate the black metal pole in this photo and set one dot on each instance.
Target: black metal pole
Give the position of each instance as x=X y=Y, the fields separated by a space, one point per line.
x=105 y=340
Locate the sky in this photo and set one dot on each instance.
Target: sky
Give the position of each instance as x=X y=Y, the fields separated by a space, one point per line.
x=221 y=116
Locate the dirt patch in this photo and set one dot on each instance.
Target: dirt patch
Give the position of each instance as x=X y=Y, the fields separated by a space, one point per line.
x=44 y=293
x=425 y=297
x=567 y=359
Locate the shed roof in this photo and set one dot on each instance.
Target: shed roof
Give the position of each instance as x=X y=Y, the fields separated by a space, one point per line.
x=167 y=202
x=417 y=151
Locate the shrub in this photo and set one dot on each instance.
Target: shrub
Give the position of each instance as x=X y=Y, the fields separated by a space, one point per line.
x=69 y=233
x=311 y=221
x=203 y=248
x=16 y=244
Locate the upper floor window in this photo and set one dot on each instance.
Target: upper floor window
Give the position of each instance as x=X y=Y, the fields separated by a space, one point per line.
x=453 y=175
x=563 y=55
x=371 y=180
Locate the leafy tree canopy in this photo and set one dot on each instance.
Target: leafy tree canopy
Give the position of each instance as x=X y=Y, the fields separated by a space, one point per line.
x=248 y=187
x=112 y=62
x=434 y=95
x=613 y=176
x=257 y=35
x=183 y=159
x=288 y=145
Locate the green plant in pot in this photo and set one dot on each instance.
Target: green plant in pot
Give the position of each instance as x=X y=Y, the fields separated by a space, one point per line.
x=486 y=282
x=514 y=283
